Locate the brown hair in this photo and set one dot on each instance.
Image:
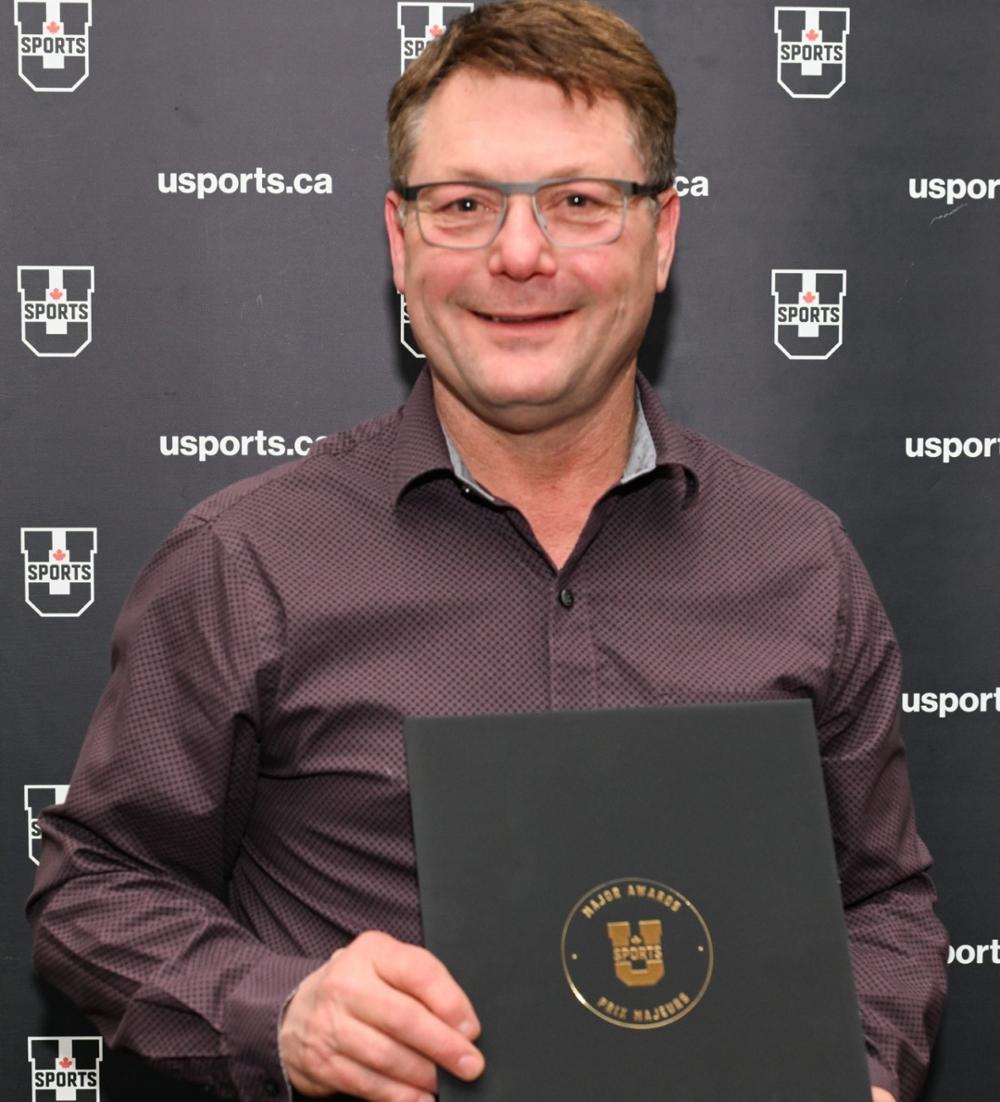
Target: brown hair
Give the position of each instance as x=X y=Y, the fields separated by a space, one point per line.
x=586 y=50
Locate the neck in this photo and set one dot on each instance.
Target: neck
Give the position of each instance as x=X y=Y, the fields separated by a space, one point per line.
x=554 y=473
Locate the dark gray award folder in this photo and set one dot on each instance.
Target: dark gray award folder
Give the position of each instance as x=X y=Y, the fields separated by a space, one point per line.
x=640 y=904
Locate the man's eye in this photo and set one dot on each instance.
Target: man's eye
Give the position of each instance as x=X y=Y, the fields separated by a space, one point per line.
x=458 y=205
x=577 y=202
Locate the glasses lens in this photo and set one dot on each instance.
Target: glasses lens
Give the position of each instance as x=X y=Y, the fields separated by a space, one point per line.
x=458 y=215
x=582 y=212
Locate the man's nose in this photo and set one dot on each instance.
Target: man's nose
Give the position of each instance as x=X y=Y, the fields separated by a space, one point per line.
x=521 y=250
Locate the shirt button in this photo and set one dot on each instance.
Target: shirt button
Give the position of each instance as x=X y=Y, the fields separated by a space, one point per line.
x=566 y=598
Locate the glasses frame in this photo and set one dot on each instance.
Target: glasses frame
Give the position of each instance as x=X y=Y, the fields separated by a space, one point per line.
x=630 y=190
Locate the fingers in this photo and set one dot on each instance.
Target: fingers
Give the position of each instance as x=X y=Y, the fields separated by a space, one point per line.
x=409 y=1022
x=406 y=993
x=414 y=970
x=375 y=1021
x=369 y=1064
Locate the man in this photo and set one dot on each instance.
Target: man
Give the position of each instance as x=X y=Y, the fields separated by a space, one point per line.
x=232 y=878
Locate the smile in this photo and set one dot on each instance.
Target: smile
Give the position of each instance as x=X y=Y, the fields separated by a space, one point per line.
x=521 y=319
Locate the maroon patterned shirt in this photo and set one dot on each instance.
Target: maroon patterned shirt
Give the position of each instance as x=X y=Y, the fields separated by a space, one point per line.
x=240 y=806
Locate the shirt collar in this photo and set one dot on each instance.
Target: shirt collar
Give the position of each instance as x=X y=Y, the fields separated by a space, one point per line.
x=420 y=449
x=423 y=449
x=642 y=453
x=462 y=472
x=674 y=453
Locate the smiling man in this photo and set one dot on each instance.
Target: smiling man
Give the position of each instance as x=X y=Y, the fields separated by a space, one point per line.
x=230 y=888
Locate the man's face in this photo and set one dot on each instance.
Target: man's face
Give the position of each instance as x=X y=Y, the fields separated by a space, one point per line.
x=524 y=333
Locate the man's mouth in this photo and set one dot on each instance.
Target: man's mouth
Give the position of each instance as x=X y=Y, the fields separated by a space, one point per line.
x=522 y=319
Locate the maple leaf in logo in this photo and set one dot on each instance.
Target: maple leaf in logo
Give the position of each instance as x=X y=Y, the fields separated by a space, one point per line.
x=65 y=1062
x=53 y=27
x=436 y=31
x=59 y=555
x=56 y=294
x=812 y=35
x=808 y=296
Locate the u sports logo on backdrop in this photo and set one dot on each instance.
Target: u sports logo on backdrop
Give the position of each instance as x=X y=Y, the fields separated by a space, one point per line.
x=420 y=24
x=59 y=569
x=55 y=308
x=808 y=311
x=53 y=43
x=65 y=1069
x=37 y=797
x=812 y=50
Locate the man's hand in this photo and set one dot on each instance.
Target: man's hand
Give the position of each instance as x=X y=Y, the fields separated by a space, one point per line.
x=880 y=1095
x=374 y=1021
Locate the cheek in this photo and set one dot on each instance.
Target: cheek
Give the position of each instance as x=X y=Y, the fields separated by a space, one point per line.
x=434 y=290
x=610 y=289
x=631 y=286
x=437 y=279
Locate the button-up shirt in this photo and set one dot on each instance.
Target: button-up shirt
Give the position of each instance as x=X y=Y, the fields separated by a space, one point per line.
x=240 y=807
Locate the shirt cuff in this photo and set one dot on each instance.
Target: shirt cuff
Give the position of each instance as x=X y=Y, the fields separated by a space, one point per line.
x=250 y=1025
x=881 y=1077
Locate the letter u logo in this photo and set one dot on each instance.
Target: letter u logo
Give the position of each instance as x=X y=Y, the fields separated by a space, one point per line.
x=638 y=958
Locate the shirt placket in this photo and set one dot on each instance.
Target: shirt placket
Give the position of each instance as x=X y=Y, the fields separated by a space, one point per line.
x=568 y=609
x=572 y=651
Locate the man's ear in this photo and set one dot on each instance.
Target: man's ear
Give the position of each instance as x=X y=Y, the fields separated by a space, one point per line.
x=395 y=214
x=666 y=234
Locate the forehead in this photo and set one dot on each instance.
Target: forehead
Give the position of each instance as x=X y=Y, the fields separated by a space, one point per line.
x=518 y=128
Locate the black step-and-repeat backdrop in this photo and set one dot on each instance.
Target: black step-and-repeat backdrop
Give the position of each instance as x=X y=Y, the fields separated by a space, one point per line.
x=194 y=285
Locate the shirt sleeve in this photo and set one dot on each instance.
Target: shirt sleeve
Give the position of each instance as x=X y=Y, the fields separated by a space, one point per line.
x=129 y=906
x=898 y=946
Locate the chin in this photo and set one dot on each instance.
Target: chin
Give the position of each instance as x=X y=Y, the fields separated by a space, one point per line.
x=525 y=378
x=519 y=401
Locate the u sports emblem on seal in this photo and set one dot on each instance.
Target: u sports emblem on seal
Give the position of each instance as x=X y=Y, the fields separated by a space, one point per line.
x=812 y=50
x=59 y=569
x=53 y=43
x=65 y=1069
x=808 y=311
x=636 y=953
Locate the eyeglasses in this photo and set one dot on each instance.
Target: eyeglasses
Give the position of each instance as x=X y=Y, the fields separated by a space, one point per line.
x=572 y=213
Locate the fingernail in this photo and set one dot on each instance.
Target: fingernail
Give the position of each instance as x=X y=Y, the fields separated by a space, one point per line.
x=427 y=1098
x=467 y=1028
x=470 y=1066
